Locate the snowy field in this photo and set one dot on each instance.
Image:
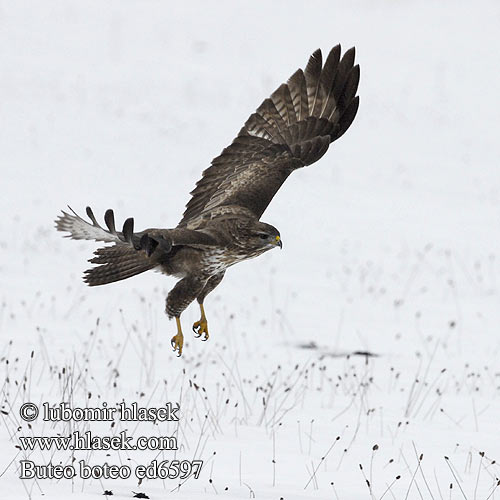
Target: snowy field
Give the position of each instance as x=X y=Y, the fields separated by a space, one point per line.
x=390 y=247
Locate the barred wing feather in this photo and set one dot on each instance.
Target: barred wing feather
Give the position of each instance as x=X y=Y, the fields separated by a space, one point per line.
x=291 y=129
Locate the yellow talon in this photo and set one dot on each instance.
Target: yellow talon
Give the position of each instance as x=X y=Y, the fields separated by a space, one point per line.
x=178 y=339
x=201 y=327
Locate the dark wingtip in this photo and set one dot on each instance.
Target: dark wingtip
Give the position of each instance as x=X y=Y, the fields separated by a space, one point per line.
x=348 y=57
x=128 y=230
x=91 y=216
x=109 y=219
x=314 y=65
x=317 y=53
x=348 y=116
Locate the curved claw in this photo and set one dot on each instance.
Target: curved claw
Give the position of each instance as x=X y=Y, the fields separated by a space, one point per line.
x=177 y=342
x=201 y=328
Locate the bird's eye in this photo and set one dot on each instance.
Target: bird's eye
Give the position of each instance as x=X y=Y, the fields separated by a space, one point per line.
x=263 y=236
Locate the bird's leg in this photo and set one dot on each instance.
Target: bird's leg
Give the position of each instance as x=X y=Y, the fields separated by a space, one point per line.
x=201 y=327
x=178 y=339
x=183 y=293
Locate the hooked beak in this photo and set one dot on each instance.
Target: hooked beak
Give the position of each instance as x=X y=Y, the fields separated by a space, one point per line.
x=278 y=242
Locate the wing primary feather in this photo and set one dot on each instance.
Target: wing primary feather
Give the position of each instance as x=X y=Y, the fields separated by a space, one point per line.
x=348 y=117
x=350 y=87
x=298 y=91
x=109 y=219
x=312 y=75
x=328 y=75
x=90 y=215
x=283 y=102
x=128 y=230
x=291 y=129
x=346 y=63
x=80 y=229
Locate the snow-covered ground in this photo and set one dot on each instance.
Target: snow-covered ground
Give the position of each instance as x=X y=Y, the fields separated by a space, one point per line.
x=391 y=246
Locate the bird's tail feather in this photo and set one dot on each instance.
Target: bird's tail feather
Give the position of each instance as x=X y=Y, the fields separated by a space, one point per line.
x=314 y=108
x=117 y=262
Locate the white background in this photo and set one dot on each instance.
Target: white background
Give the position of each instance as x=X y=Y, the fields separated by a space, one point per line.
x=390 y=246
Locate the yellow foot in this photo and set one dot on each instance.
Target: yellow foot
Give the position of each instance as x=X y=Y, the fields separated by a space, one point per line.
x=177 y=343
x=178 y=339
x=201 y=327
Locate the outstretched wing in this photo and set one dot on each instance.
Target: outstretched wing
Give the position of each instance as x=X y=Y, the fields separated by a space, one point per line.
x=291 y=129
x=132 y=252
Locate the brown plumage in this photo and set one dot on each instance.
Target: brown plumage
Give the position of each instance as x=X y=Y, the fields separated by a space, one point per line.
x=220 y=227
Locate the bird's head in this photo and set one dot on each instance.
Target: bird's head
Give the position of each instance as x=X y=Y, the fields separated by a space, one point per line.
x=259 y=237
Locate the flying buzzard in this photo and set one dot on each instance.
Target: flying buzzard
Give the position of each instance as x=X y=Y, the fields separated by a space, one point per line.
x=220 y=226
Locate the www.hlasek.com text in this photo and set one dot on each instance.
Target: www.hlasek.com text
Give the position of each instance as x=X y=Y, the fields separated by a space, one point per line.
x=88 y=441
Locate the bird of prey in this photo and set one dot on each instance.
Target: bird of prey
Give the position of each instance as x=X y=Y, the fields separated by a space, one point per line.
x=221 y=225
